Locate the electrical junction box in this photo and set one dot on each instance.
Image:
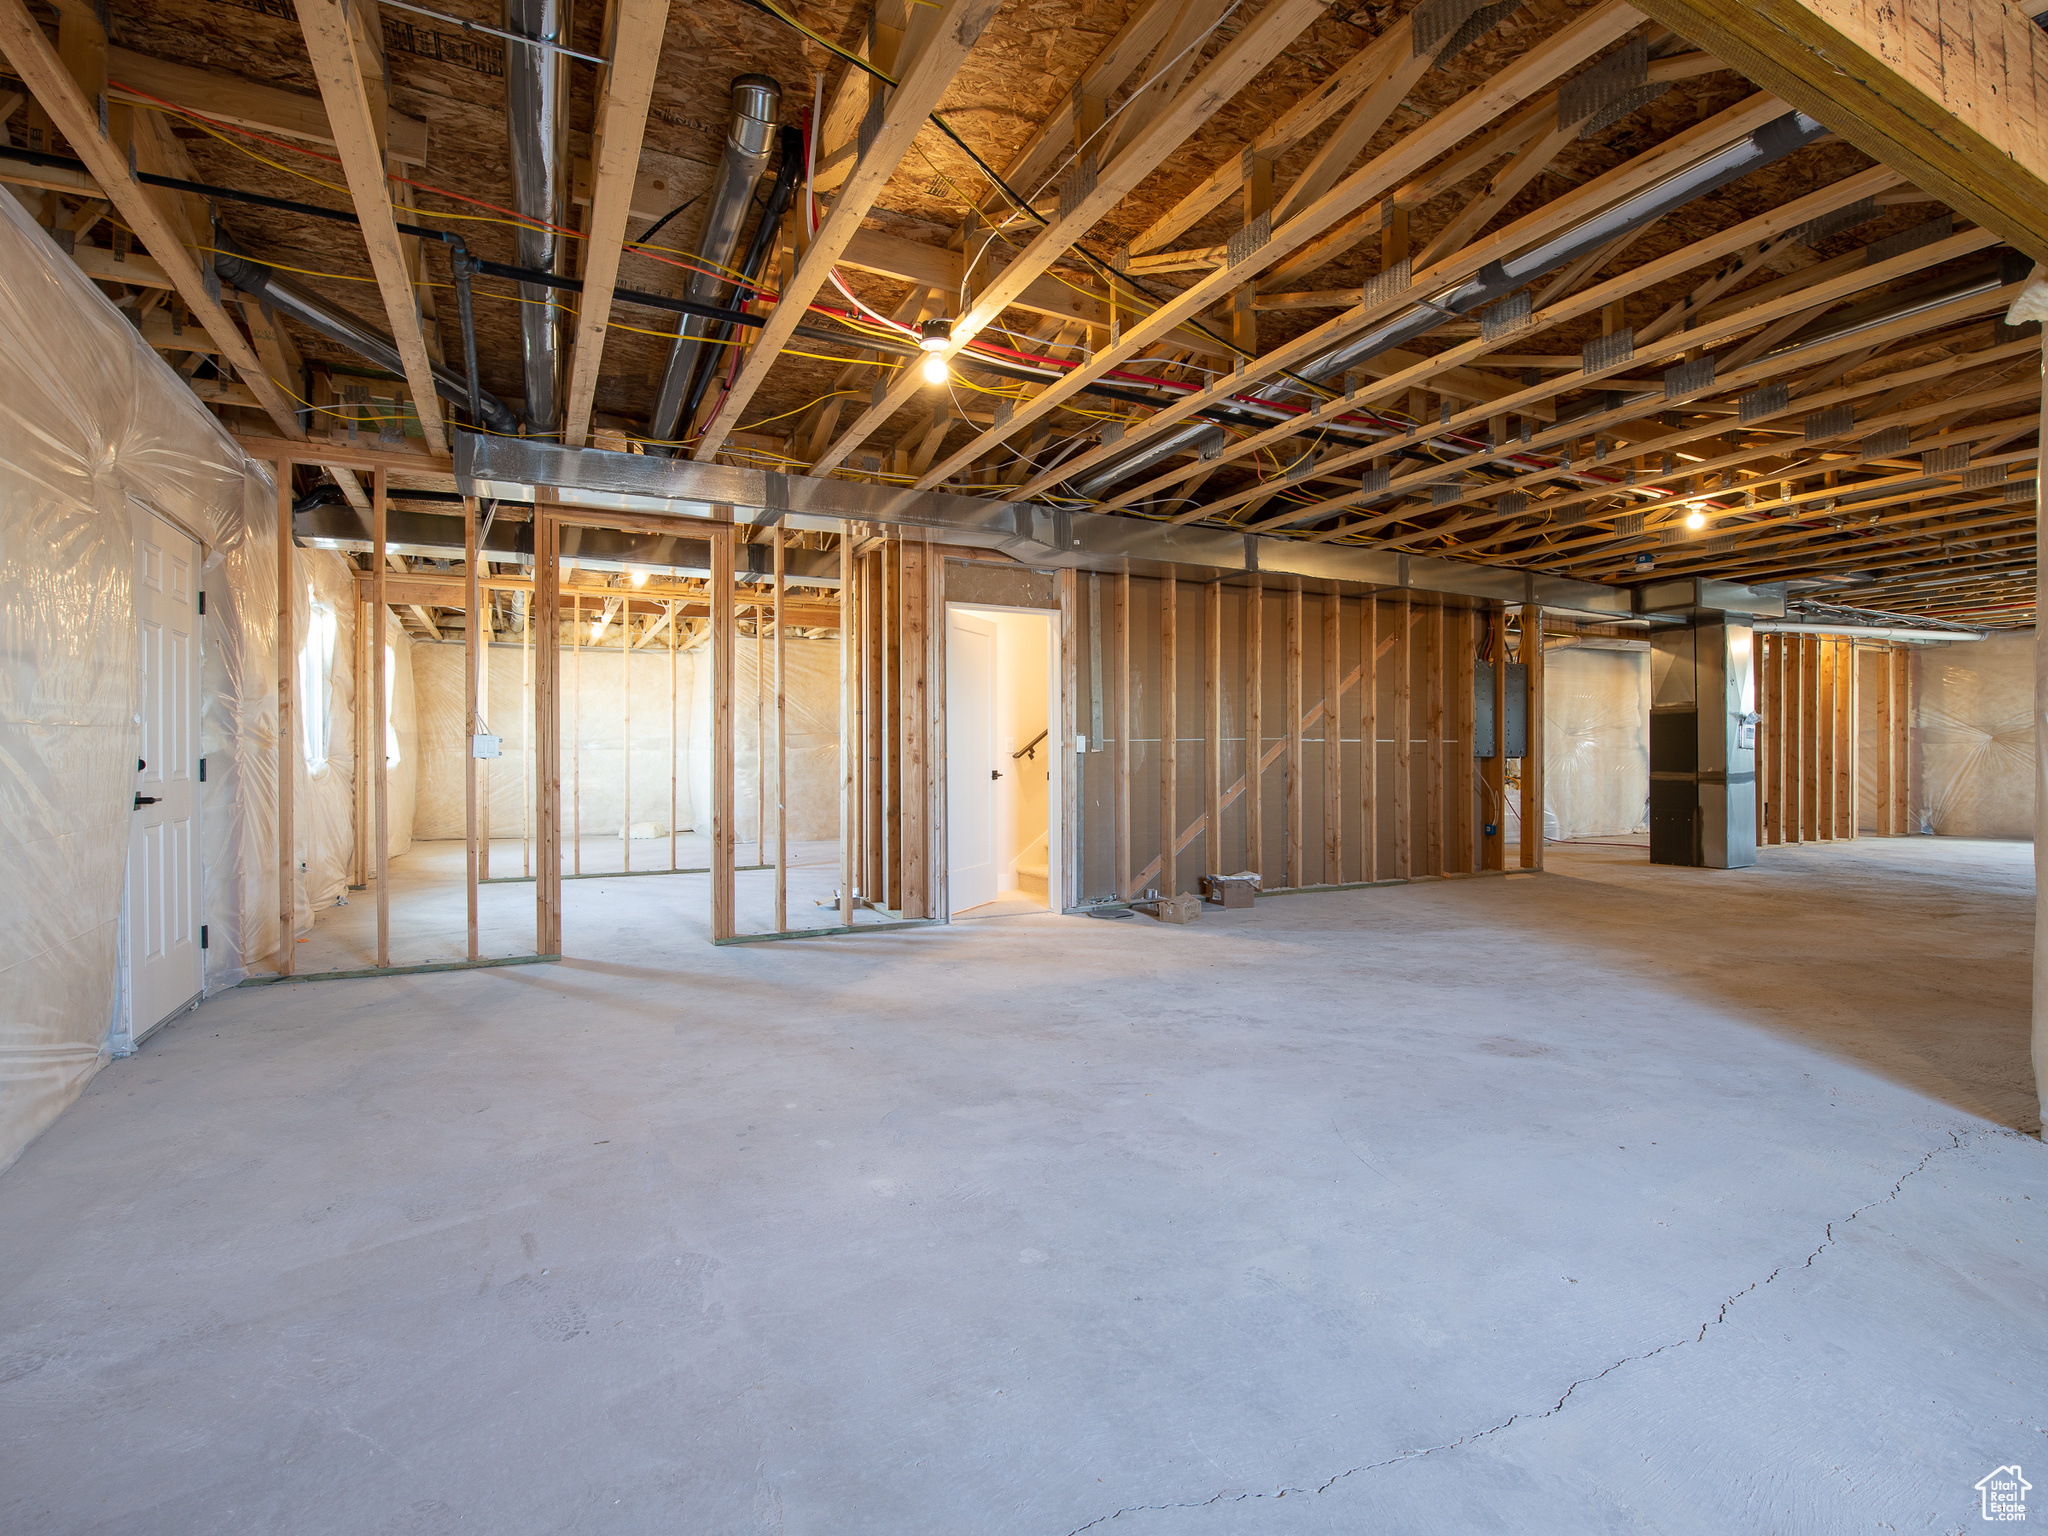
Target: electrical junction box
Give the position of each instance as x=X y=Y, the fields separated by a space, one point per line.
x=485 y=746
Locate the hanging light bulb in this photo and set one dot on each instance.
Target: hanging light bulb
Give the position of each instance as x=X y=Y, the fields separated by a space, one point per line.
x=934 y=336
x=638 y=575
x=1696 y=521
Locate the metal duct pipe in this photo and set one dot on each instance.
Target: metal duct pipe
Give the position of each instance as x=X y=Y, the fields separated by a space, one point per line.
x=1773 y=141
x=756 y=99
x=235 y=267
x=1865 y=632
x=789 y=170
x=536 y=117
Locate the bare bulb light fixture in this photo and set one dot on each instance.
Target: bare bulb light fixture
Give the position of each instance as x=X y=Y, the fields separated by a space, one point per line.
x=934 y=336
x=1696 y=521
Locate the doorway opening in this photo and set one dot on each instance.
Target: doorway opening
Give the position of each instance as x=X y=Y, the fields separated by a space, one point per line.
x=1002 y=762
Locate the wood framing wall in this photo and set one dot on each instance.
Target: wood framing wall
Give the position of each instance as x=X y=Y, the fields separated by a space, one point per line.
x=1807 y=750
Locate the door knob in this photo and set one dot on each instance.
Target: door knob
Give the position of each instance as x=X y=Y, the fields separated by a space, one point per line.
x=142 y=800
x=995 y=773
x=140 y=765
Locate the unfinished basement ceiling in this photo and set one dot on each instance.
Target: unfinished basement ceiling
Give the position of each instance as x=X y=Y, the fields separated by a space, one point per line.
x=1894 y=473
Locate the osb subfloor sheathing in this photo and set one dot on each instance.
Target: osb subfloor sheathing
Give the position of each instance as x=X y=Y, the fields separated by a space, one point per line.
x=1616 y=1199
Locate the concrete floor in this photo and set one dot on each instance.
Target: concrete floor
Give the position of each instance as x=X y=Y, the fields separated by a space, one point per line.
x=1614 y=1199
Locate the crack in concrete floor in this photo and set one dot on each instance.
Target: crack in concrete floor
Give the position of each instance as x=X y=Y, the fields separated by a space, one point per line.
x=1957 y=1142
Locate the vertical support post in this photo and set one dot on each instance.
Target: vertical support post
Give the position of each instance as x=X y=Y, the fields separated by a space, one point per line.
x=760 y=739
x=1369 y=737
x=1212 y=727
x=1291 y=685
x=1846 y=809
x=544 y=626
x=1900 y=673
x=847 y=624
x=1333 y=741
x=363 y=714
x=1767 y=733
x=1435 y=843
x=287 y=736
x=723 y=641
x=1122 y=656
x=914 y=707
x=528 y=810
x=486 y=773
x=781 y=751
x=673 y=704
x=472 y=660
x=576 y=732
x=381 y=707
x=626 y=732
x=1404 y=736
x=1825 y=715
x=1791 y=737
x=1169 y=735
x=1255 y=727
x=1809 y=738
x=1532 y=752
x=1493 y=810
x=1068 y=893
x=1464 y=766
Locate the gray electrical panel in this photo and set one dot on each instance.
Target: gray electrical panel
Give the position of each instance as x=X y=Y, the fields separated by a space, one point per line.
x=1484 y=734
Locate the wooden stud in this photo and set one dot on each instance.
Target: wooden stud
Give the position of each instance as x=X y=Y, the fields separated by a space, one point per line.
x=1532 y=752
x=529 y=829
x=472 y=660
x=1212 y=725
x=723 y=643
x=361 y=610
x=1464 y=766
x=1169 y=735
x=287 y=740
x=1121 y=653
x=1768 y=731
x=576 y=732
x=781 y=750
x=1436 y=841
x=626 y=733
x=1825 y=715
x=1333 y=741
x=914 y=749
x=380 y=706
x=1254 y=727
x=1291 y=684
x=1792 y=749
x=1845 y=739
x=1369 y=737
x=673 y=704
x=1899 y=673
x=544 y=624
x=1810 y=736
x=1404 y=736
x=1493 y=809
x=1069 y=892
x=848 y=734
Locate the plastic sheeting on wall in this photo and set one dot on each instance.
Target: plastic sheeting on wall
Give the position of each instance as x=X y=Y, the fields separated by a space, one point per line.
x=811 y=703
x=1596 y=742
x=1973 y=738
x=92 y=424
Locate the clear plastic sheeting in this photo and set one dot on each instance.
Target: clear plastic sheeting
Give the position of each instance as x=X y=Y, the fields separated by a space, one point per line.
x=1973 y=738
x=811 y=708
x=93 y=425
x=1596 y=742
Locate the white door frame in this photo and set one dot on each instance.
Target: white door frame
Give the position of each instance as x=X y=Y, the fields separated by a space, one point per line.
x=1056 y=764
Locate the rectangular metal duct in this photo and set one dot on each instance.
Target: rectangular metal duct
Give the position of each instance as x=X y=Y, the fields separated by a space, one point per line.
x=526 y=470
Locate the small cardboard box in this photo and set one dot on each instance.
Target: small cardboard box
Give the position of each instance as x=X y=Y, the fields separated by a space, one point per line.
x=1177 y=909
x=1229 y=890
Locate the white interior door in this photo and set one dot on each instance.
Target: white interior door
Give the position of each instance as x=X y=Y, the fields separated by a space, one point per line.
x=973 y=855
x=163 y=838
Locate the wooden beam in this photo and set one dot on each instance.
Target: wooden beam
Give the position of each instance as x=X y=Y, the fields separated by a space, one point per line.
x=544 y=625
x=1493 y=810
x=1232 y=69
x=1532 y=751
x=472 y=676
x=909 y=105
x=1368 y=737
x=1254 y=727
x=1121 y=654
x=634 y=30
x=724 y=634
x=338 y=67
x=1333 y=741
x=380 y=710
x=1212 y=725
x=1435 y=723
x=1292 y=788
x=138 y=78
x=44 y=73
x=1404 y=735
x=1952 y=97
